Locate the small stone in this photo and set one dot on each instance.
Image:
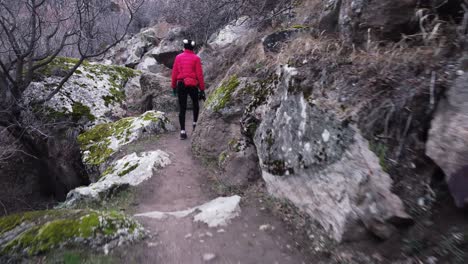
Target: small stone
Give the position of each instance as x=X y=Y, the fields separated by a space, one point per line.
x=266 y=227
x=208 y=257
x=460 y=72
x=209 y=234
x=187 y=236
x=221 y=231
x=151 y=244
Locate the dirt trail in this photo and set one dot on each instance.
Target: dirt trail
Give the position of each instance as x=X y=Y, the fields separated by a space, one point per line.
x=183 y=185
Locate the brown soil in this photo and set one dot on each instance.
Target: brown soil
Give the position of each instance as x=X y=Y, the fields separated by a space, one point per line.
x=183 y=185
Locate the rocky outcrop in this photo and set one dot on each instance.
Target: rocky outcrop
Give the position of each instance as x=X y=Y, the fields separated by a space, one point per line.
x=169 y=47
x=33 y=233
x=95 y=93
x=448 y=138
x=99 y=143
x=130 y=52
x=219 y=138
x=236 y=33
x=131 y=170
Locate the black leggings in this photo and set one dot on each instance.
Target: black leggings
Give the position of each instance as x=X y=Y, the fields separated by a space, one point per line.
x=193 y=93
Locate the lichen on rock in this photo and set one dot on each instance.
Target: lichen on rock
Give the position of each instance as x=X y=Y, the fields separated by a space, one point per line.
x=218 y=99
x=32 y=233
x=131 y=170
x=97 y=87
x=103 y=140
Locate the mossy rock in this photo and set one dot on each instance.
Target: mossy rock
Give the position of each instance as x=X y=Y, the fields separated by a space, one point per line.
x=222 y=95
x=33 y=233
x=103 y=140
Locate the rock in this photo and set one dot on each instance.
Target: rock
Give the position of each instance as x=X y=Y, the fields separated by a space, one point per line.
x=383 y=19
x=208 y=257
x=218 y=135
x=133 y=94
x=149 y=64
x=447 y=144
x=99 y=143
x=157 y=90
x=218 y=212
x=236 y=33
x=130 y=51
x=95 y=92
x=169 y=47
x=32 y=233
x=274 y=42
x=322 y=165
x=130 y=170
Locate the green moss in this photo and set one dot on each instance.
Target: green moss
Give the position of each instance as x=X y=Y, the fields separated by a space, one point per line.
x=80 y=110
x=55 y=228
x=222 y=95
x=222 y=157
x=151 y=116
x=381 y=151
x=97 y=140
x=109 y=170
x=300 y=27
x=127 y=169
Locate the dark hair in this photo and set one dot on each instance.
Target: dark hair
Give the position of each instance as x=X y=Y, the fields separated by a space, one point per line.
x=189 y=44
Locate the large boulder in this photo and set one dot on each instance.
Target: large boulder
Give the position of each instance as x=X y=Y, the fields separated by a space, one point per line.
x=131 y=170
x=219 y=137
x=237 y=32
x=448 y=138
x=169 y=47
x=95 y=92
x=102 y=141
x=382 y=19
x=323 y=165
x=32 y=233
x=130 y=51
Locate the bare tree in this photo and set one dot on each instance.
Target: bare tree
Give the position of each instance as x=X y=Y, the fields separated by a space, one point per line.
x=32 y=34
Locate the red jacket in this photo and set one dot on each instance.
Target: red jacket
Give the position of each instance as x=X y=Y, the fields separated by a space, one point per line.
x=188 y=65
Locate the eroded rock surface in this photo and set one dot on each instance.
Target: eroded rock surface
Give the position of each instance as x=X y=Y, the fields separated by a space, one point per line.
x=131 y=170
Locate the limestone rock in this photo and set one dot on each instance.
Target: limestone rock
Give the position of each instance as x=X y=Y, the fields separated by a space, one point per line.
x=169 y=47
x=32 y=233
x=130 y=51
x=130 y=170
x=99 y=143
x=215 y=213
x=323 y=165
x=237 y=32
x=448 y=139
x=95 y=92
